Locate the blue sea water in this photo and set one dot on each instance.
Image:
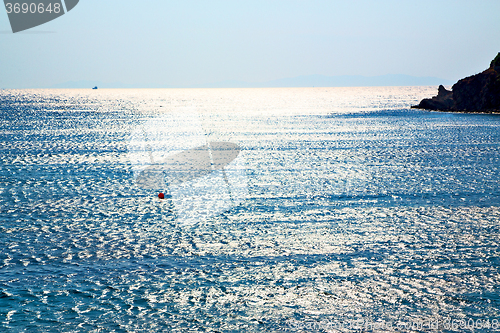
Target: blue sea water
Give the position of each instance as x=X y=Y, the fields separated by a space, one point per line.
x=360 y=212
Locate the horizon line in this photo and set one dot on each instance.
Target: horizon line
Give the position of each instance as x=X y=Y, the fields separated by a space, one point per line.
x=303 y=81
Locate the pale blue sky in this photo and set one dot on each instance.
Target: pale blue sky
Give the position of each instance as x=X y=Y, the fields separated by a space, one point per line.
x=181 y=43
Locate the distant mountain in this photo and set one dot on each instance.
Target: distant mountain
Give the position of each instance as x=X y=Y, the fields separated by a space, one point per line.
x=335 y=81
x=99 y=84
x=299 y=81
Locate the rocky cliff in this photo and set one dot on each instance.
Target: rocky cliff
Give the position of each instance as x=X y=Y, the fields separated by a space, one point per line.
x=476 y=93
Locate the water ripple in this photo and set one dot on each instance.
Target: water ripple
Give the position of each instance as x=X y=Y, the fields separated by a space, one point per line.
x=358 y=208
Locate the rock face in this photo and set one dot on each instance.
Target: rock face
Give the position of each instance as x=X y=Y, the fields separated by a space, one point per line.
x=477 y=93
x=443 y=101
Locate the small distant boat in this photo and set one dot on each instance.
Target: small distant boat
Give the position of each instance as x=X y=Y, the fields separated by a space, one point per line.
x=95 y=88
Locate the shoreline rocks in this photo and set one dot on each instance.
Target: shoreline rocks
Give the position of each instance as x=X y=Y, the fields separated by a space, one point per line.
x=476 y=93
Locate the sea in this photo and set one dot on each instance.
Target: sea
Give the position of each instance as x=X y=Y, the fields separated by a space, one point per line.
x=356 y=213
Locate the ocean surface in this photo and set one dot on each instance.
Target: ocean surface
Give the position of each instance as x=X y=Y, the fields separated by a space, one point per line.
x=360 y=214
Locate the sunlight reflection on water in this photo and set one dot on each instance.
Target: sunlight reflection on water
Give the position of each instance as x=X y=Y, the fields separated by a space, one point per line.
x=358 y=207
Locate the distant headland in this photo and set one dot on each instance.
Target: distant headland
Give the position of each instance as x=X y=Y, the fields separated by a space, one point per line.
x=476 y=93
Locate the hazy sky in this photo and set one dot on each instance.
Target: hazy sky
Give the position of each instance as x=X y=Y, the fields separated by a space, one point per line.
x=180 y=43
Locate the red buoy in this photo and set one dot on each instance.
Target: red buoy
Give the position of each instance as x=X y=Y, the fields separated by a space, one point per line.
x=161 y=196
